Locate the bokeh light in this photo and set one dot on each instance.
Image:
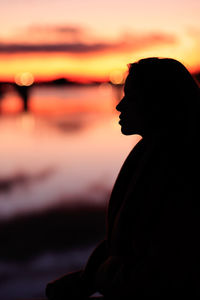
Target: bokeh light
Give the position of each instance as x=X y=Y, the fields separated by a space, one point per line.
x=24 y=79
x=117 y=77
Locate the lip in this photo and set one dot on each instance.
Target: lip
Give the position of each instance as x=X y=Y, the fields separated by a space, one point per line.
x=119 y=119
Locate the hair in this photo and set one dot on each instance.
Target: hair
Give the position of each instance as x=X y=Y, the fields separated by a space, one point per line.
x=169 y=90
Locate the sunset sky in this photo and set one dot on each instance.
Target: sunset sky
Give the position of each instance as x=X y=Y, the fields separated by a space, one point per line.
x=93 y=39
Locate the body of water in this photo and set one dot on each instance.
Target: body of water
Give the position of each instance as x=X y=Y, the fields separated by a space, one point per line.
x=68 y=148
x=66 y=152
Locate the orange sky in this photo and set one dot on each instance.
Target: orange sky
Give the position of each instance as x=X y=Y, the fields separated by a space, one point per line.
x=91 y=39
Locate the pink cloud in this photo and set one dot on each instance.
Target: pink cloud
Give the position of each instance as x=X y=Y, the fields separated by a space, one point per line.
x=74 y=40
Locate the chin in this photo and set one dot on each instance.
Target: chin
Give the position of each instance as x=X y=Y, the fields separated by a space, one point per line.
x=128 y=131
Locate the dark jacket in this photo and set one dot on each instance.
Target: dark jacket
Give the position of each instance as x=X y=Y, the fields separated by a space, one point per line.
x=151 y=247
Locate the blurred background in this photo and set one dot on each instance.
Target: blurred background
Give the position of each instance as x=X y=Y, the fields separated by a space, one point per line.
x=62 y=69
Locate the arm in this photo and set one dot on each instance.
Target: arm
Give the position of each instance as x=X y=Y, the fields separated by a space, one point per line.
x=80 y=283
x=96 y=259
x=118 y=276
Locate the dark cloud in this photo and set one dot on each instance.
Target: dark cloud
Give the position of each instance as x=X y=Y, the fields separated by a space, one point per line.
x=124 y=44
x=66 y=29
x=67 y=47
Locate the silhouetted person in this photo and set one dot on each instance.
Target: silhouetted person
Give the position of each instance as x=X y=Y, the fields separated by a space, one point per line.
x=1 y=94
x=24 y=92
x=153 y=223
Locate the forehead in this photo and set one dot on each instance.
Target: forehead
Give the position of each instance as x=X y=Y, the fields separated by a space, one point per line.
x=131 y=84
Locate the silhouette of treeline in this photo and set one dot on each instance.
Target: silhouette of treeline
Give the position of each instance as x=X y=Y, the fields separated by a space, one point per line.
x=24 y=91
x=67 y=81
x=57 y=81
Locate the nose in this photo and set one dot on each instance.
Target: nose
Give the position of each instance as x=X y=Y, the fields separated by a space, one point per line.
x=120 y=105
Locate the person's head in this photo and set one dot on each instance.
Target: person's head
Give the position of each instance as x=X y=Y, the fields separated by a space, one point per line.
x=159 y=95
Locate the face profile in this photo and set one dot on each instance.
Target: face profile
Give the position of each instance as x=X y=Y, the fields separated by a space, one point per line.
x=157 y=96
x=132 y=115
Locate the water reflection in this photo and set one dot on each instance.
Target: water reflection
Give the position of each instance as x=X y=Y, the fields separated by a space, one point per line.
x=68 y=149
x=23 y=179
